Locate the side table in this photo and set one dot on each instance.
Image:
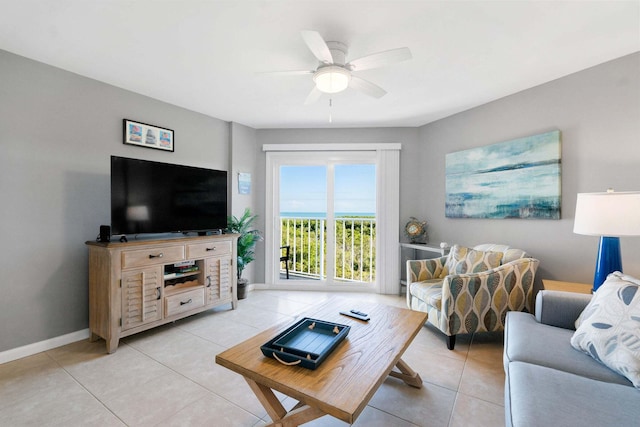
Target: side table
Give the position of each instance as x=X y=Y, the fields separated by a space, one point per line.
x=555 y=285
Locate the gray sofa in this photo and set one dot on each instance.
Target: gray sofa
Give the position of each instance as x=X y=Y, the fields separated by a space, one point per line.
x=549 y=383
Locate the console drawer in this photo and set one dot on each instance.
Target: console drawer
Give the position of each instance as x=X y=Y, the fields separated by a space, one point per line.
x=184 y=301
x=145 y=257
x=203 y=250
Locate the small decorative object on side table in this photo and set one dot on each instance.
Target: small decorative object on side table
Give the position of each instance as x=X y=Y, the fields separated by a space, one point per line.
x=415 y=230
x=578 y=288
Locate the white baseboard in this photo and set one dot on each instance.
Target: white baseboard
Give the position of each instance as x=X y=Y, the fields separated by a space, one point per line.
x=39 y=347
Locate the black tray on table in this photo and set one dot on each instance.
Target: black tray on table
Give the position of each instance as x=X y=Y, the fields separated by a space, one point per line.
x=307 y=343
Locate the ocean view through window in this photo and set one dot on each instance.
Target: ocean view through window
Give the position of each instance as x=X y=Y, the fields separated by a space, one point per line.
x=327 y=218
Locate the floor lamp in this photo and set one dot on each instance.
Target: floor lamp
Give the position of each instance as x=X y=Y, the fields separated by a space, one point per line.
x=608 y=215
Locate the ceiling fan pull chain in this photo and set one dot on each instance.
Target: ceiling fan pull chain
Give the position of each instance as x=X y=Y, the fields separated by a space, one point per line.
x=330 y=105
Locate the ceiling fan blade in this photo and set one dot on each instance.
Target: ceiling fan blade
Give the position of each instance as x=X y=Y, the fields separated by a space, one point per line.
x=313 y=96
x=318 y=46
x=366 y=87
x=380 y=59
x=291 y=73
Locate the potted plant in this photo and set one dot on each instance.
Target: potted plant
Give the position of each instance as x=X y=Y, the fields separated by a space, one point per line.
x=246 y=243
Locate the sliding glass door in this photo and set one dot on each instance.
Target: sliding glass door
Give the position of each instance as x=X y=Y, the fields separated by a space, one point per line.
x=336 y=206
x=326 y=215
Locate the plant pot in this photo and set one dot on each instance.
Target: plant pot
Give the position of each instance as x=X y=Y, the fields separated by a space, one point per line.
x=242 y=288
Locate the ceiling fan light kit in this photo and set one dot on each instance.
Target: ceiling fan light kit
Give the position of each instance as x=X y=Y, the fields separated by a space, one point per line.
x=334 y=74
x=332 y=79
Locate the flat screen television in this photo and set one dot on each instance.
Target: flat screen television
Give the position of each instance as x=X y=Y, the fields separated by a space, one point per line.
x=154 y=197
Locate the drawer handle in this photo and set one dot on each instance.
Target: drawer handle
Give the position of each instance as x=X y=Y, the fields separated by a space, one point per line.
x=160 y=255
x=211 y=249
x=186 y=302
x=158 y=292
x=208 y=281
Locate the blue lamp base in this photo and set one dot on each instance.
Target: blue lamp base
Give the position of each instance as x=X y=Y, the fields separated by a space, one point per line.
x=609 y=260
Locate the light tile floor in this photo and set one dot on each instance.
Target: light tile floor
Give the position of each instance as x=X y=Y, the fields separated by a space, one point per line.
x=167 y=376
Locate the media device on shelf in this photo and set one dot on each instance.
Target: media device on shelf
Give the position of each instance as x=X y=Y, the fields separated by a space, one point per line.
x=153 y=197
x=105 y=233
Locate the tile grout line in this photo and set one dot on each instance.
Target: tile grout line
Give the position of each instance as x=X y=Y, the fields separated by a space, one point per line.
x=191 y=380
x=77 y=381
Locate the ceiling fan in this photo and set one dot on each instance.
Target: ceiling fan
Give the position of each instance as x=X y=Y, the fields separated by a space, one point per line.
x=334 y=74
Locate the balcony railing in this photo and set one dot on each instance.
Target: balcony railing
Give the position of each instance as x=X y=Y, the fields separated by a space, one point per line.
x=355 y=248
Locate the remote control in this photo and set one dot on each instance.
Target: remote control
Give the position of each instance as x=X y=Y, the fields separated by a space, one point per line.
x=353 y=313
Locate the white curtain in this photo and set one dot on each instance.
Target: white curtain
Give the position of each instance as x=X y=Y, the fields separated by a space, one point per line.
x=388 y=264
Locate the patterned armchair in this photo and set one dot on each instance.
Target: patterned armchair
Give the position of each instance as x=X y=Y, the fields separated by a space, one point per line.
x=471 y=290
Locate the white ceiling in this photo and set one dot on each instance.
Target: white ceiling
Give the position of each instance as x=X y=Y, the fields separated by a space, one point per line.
x=212 y=56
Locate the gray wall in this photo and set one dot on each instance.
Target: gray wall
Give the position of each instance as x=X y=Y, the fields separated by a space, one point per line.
x=598 y=112
x=57 y=133
x=244 y=155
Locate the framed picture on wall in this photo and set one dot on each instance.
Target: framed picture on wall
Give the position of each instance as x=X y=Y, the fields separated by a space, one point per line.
x=244 y=183
x=146 y=135
x=512 y=179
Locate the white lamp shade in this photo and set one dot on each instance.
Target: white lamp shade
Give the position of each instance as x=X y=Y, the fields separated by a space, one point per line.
x=608 y=214
x=332 y=79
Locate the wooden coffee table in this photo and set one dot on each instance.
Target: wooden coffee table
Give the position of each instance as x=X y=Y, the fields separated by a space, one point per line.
x=345 y=382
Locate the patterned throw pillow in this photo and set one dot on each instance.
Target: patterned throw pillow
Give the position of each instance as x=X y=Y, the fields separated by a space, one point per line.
x=455 y=254
x=609 y=327
x=464 y=260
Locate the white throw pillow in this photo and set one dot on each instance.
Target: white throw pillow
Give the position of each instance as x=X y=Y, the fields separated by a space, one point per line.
x=609 y=327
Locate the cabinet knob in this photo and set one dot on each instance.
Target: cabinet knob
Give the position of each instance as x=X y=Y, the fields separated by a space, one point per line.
x=160 y=255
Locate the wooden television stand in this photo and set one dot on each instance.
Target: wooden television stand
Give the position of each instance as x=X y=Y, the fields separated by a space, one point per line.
x=136 y=285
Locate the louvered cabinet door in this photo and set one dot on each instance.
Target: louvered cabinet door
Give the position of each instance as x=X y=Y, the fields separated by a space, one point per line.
x=218 y=285
x=141 y=296
x=225 y=279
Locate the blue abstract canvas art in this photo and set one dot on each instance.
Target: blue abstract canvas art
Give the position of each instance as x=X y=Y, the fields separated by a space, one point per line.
x=511 y=179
